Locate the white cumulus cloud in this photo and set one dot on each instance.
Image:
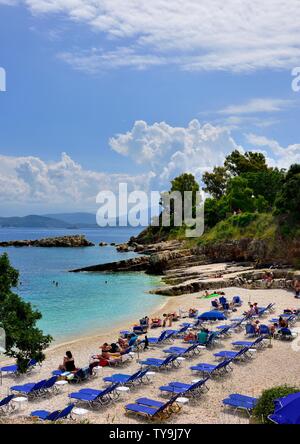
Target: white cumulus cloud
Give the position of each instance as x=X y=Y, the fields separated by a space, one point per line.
x=172 y=150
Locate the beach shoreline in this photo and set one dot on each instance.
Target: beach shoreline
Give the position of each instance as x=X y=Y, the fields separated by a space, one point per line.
x=250 y=378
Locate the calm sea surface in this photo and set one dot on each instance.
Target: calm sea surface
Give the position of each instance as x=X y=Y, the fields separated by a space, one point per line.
x=83 y=303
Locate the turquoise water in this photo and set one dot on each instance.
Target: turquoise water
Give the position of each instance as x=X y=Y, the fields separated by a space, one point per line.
x=83 y=303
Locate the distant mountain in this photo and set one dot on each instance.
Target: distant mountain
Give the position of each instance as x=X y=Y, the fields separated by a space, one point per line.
x=79 y=219
x=33 y=221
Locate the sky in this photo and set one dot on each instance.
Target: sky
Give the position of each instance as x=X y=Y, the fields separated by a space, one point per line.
x=100 y=92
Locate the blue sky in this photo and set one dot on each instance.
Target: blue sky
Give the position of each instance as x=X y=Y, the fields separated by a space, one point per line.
x=116 y=88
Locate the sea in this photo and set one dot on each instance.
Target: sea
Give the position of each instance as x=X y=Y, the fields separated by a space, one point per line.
x=80 y=304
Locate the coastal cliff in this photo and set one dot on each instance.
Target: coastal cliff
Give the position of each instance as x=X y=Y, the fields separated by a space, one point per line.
x=49 y=242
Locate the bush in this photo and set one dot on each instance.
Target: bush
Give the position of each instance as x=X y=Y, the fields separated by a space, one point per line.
x=243 y=220
x=265 y=405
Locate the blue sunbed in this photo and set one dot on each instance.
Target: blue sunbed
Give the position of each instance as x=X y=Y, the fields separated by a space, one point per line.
x=161 y=363
x=94 y=397
x=234 y=355
x=54 y=416
x=157 y=409
x=250 y=344
x=213 y=370
x=182 y=351
x=240 y=402
x=123 y=379
x=5 y=404
x=185 y=389
x=30 y=389
x=15 y=370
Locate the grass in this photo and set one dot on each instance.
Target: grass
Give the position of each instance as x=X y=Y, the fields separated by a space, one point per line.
x=248 y=225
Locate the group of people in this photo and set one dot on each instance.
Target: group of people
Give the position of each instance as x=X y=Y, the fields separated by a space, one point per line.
x=109 y=352
x=167 y=321
x=252 y=311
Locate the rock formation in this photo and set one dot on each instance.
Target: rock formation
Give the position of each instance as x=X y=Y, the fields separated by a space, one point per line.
x=49 y=242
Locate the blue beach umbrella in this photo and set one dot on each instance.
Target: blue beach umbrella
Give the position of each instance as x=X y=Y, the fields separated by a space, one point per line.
x=287 y=410
x=213 y=315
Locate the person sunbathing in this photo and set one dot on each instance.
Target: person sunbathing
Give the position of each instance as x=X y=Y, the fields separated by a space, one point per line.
x=123 y=343
x=190 y=337
x=105 y=347
x=216 y=304
x=255 y=325
x=144 y=322
x=115 y=347
x=68 y=364
x=273 y=328
x=256 y=309
x=282 y=323
x=202 y=336
x=168 y=318
x=192 y=312
x=155 y=322
x=111 y=356
x=250 y=312
x=175 y=316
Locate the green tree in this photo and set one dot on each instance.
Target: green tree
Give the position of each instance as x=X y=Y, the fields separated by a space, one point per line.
x=185 y=182
x=24 y=341
x=216 y=210
x=239 y=196
x=237 y=163
x=288 y=199
x=216 y=182
x=182 y=183
x=267 y=183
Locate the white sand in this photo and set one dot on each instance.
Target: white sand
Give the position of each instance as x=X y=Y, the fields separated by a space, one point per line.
x=272 y=366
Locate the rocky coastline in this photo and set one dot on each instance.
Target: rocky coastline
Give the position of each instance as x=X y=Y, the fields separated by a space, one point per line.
x=188 y=270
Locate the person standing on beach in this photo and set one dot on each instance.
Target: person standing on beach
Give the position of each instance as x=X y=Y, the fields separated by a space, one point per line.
x=296 y=286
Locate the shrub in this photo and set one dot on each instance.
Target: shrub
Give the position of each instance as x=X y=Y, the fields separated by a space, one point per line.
x=243 y=220
x=265 y=405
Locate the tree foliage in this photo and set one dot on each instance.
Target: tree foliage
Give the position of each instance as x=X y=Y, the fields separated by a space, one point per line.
x=24 y=340
x=288 y=199
x=216 y=182
x=238 y=163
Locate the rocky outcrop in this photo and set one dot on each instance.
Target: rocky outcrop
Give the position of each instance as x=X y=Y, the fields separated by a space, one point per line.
x=140 y=263
x=262 y=252
x=103 y=244
x=283 y=279
x=124 y=248
x=155 y=248
x=49 y=242
x=160 y=262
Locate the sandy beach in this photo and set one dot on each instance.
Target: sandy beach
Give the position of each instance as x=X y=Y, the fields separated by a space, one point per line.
x=277 y=365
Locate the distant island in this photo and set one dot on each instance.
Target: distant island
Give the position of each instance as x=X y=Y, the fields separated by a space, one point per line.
x=50 y=221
